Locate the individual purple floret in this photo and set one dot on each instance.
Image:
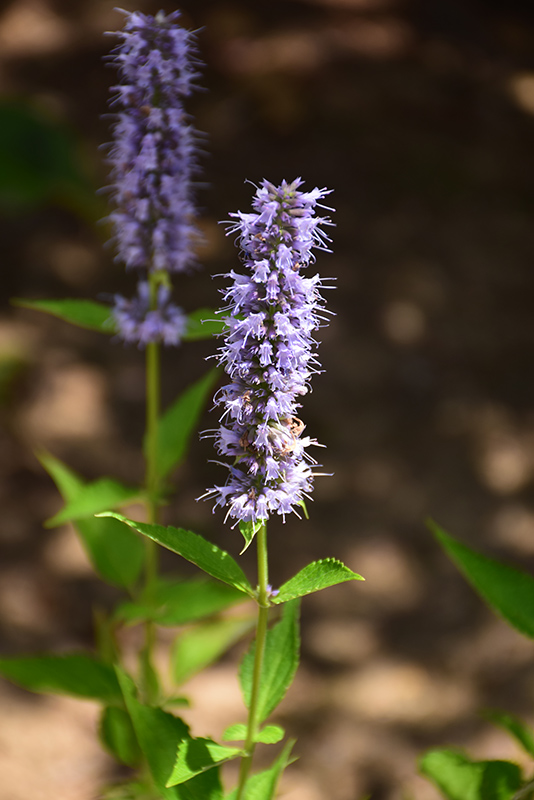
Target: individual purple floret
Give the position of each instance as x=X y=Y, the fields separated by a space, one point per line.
x=268 y=353
x=153 y=152
x=138 y=324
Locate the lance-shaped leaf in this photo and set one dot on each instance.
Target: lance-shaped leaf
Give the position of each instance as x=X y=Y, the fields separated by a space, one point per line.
x=202 y=324
x=75 y=674
x=193 y=547
x=316 y=576
x=202 y=645
x=118 y=736
x=83 y=313
x=195 y=756
x=159 y=735
x=177 y=602
x=94 y=497
x=280 y=662
x=270 y=734
x=263 y=785
x=115 y=551
x=178 y=423
x=459 y=778
x=508 y=590
x=520 y=731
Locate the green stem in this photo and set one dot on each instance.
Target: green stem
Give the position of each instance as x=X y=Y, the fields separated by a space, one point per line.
x=153 y=388
x=261 y=634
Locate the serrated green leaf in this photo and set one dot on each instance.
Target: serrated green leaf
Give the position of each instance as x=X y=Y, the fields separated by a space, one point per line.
x=116 y=552
x=83 y=313
x=248 y=531
x=316 y=576
x=280 y=662
x=178 y=423
x=263 y=785
x=196 y=756
x=459 y=778
x=178 y=601
x=94 y=497
x=202 y=645
x=270 y=734
x=515 y=726
x=193 y=547
x=202 y=324
x=509 y=591
x=159 y=734
x=118 y=736
x=75 y=674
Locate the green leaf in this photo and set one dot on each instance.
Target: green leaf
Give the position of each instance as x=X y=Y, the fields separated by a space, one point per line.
x=178 y=423
x=178 y=602
x=280 y=662
x=515 y=727
x=202 y=324
x=262 y=786
x=83 y=313
x=316 y=576
x=270 y=734
x=74 y=674
x=248 y=532
x=196 y=756
x=208 y=557
x=459 y=778
x=116 y=552
x=197 y=648
x=118 y=736
x=509 y=591
x=159 y=735
x=118 y=558
x=94 y=497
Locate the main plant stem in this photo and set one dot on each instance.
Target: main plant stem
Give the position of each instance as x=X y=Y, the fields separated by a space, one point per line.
x=261 y=633
x=153 y=390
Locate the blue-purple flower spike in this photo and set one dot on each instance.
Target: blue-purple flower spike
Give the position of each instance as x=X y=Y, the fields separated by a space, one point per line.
x=153 y=153
x=268 y=353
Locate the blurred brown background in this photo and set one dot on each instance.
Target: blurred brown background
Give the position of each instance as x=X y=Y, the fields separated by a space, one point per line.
x=420 y=116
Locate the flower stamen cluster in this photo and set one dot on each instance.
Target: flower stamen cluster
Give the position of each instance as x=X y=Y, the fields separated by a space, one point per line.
x=268 y=353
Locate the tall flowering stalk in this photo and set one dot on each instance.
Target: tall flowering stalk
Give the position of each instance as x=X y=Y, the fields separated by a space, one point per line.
x=152 y=161
x=269 y=355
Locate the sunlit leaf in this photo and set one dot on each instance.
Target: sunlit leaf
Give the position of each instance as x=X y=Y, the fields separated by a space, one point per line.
x=116 y=552
x=270 y=734
x=196 y=756
x=280 y=662
x=208 y=557
x=263 y=785
x=159 y=735
x=316 y=576
x=508 y=590
x=460 y=778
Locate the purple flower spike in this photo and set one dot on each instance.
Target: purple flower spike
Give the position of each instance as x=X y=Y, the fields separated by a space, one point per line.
x=153 y=152
x=268 y=353
x=141 y=325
